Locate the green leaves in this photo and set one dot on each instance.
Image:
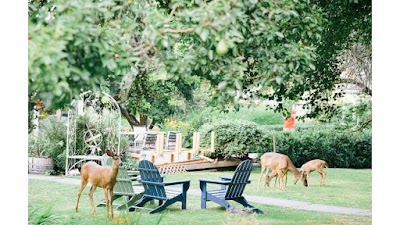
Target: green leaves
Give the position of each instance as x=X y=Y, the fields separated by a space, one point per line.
x=255 y=42
x=77 y=49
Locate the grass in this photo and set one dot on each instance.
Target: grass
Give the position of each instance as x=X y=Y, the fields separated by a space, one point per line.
x=53 y=203
x=340 y=183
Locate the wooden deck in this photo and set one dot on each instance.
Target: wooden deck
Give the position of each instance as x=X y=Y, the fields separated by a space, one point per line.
x=201 y=164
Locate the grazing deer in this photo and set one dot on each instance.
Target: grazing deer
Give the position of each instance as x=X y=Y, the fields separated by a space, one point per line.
x=266 y=162
x=281 y=165
x=100 y=176
x=312 y=165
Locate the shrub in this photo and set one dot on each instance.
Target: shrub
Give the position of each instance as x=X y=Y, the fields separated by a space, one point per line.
x=234 y=138
x=54 y=132
x=339 y=149
x=52 y=138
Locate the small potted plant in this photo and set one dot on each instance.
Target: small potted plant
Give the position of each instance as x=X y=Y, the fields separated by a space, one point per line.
x=38 y=161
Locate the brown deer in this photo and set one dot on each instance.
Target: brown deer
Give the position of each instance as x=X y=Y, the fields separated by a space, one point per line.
x=266 y=162
x=100 y=176
x=280 y=166
x=312 y=165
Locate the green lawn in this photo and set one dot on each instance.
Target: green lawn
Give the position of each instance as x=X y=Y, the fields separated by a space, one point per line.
x=344 y=187
x=340 y=184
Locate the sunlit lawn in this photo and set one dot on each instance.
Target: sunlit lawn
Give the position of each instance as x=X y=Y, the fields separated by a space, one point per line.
x=344 y=187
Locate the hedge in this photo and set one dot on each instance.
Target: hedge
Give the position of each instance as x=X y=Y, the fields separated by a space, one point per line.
x=343 y=149
x=340 y=149
x=234 y=138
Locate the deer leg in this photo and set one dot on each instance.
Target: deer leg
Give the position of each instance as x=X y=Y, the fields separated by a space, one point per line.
x=92 y=189
x=286 y=180
x=308 y=179
x=106 y=200
x=261 y=174
x=269 y=177
x=83 y=185
x=280 y=175
x=276 y=178
x=284 y=175
x=110 y=191
x=322 y=175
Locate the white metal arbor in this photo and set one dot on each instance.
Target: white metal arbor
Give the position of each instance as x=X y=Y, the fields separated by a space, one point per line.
x=94 y=125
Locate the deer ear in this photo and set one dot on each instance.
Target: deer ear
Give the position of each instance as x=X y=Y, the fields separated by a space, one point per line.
x=109 y=153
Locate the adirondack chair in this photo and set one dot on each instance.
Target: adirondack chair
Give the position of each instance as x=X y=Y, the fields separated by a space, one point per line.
x=154 y=188
x=171 y=140
x=231 y=189
x=123 y=187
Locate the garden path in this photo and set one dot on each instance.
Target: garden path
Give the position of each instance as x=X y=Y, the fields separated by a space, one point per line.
x=299 y=205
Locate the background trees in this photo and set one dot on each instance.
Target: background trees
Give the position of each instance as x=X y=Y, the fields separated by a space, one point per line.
x=149 y=53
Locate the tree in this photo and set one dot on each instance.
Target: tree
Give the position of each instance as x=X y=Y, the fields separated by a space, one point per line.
x=152 y=98
x=258 y=48
x=356 y=66
x=242 y=45
x=348 y=22
x=76 y=46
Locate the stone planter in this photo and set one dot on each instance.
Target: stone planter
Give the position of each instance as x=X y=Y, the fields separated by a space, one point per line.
x=39 y=165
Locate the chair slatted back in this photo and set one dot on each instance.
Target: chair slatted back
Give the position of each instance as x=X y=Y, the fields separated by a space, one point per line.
x=149 y=172
x=239 y=180
x=171 y=140
x=123 y=186
x=150 y=139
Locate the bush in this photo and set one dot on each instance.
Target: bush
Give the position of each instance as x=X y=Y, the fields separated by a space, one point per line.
x=54 y=133
x=339 y=149
x=237 y=138
x=234 y=138
x=52 y=139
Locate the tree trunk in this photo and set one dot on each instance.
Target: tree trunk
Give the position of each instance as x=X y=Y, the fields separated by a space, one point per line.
x=131 y=120
x=142 y=119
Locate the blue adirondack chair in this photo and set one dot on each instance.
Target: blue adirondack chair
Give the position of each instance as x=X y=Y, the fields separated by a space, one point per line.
x=154 y=188
x=231 y=189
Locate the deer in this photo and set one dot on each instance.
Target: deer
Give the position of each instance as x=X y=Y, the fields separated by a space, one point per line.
x=266 y=161
x=100 y=176
x=280 y=166
x=312 y=165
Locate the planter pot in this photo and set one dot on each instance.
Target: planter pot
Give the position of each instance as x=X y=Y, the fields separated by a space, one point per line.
x=252 y=155
x=39 y=165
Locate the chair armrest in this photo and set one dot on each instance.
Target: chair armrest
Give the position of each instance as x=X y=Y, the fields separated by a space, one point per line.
x=176 y=182
x=151 y=182
x=224 y=182
x=226 y=178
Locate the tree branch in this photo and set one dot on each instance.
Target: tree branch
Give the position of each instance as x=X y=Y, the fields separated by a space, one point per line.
x=131 y=120
x=365 y=89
